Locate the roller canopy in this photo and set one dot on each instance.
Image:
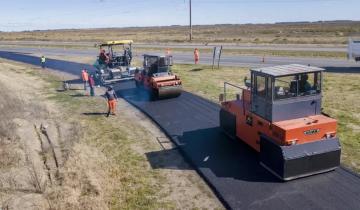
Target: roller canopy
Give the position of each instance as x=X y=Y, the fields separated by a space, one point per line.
x=119 y=42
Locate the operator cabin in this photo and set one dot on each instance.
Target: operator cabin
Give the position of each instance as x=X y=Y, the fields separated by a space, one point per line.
x=287 y=84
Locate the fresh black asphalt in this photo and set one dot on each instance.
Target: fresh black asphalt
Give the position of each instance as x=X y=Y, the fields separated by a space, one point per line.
x=229 y=167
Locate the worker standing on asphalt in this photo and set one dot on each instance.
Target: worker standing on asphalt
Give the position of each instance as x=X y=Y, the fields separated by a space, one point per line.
x=92 y=85
x=43 y=60
x=111 y=98
x=127 y=57
x=85 y=78
x=196 y=55
x=130 y=55
x=102 y=57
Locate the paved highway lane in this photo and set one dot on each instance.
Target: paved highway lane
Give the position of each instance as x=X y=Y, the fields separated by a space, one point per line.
x=230 y=167
x=340 y=65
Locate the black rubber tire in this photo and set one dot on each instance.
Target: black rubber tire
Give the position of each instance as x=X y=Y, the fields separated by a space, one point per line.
x=154 y=94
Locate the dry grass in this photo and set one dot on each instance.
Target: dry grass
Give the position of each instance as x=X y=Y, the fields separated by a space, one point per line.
x=341 y=100
x=21 y=171
x=102 y=162
x=9 y=108
x=307 y=33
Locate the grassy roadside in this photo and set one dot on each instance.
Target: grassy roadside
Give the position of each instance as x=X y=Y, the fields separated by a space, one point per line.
x=116 y=149
x=134 y=188
x=259 y=52
x=248 y=52
x=133 y=185
x=340 y=100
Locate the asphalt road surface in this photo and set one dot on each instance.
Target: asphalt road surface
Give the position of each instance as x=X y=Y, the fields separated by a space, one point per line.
x=340 y=65
x=230 y=167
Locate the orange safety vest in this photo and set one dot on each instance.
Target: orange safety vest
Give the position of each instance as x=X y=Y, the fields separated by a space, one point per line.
x=85 y=76
x=196 y=54
x=168 y=52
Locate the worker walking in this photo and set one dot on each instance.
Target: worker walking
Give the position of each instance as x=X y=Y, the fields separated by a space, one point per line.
x=43 y=60
x=92 y=85
x=111 y=98
x=85 y=78
x=196 y=55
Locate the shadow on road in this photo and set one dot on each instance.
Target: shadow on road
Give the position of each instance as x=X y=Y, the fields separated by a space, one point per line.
x=167 y=159
x=94 y=113
x=211 y=149
x=78 y=95
x=197 y=69
x=75 y=82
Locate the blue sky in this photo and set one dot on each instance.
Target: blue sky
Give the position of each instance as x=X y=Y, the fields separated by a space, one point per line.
x=17 y=15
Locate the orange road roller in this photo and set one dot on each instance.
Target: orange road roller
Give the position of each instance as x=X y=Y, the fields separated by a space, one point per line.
x=278 y=113
x=156 y=76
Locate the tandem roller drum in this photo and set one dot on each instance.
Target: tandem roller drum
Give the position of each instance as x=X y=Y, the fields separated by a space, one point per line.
x=169 y=92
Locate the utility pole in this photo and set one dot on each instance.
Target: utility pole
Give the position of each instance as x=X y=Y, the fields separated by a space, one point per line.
x=190 y=21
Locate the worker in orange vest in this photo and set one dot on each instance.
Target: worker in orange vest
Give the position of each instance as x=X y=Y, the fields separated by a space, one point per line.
x=168 y=52
x=85 y=77
x=196 y=55
x=111 y=98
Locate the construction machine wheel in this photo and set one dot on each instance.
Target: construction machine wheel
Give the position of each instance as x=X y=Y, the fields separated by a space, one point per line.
x=168 y=92
x=154 y=94
x=295 y=161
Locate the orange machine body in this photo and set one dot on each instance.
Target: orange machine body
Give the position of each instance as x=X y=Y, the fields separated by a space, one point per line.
x=279 y=115
x=151 y=82
x=249 y=126
x=157 y=78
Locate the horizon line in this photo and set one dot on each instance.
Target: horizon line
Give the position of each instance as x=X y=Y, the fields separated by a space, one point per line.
x=176 y=25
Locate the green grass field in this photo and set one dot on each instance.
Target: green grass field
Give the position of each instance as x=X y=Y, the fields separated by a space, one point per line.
x=340 y=100
x=259 y=52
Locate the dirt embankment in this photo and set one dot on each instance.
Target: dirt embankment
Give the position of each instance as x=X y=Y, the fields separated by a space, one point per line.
x=58 y=151
x=34 y=142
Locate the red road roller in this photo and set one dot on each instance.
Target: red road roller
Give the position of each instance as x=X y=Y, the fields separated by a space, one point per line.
x=156 y=76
